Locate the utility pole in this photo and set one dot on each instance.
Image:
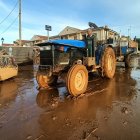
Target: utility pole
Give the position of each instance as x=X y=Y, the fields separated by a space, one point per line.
x=48 y=28
x=130 y=32
x=20 y=38
x=48 y=34
x=128 y=37
x=120 y=42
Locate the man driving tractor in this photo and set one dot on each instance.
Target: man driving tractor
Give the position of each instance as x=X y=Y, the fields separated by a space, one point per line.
x=93 y=49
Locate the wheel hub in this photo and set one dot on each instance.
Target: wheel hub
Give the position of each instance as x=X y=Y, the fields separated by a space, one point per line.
x=110 y=63
x=79 y=80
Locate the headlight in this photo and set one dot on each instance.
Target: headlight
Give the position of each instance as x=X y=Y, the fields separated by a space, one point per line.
x=79 y=61
x=47 y=48
x=41 y=48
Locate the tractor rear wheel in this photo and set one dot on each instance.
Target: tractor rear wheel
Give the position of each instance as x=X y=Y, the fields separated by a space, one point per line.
x=77 y=80
x=44 y=81
x=109 y=63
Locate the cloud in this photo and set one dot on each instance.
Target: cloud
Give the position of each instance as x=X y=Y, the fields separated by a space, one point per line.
x=10 y=36
x=76 y=13
x=58 y=23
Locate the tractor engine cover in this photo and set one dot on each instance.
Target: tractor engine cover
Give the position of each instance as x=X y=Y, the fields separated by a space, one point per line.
x=89 y=61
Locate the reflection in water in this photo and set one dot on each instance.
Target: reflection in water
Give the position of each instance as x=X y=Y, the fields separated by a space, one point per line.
x=135 y=74
x=121 y=87
x=72 y=118
x=7 y=91
x=124 y=85
x=62 y=93
x=61 y=87
x=45 y=98
x=135 y=61
x=101 y=107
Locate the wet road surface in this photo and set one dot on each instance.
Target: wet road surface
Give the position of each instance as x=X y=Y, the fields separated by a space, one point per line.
x=110 y=109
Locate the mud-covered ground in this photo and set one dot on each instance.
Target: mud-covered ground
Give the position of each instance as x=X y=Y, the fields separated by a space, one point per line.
x=110 y=109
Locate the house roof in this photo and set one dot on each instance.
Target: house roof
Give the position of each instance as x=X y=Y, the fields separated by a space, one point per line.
x=68 y=30
x=39 y=37
x=54 y=37
x=99 y=28
x=7 y=45
x=23 y=41
x=71 y=30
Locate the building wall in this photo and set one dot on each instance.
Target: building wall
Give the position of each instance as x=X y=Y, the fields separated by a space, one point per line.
x=21 y=54
x=101 y=35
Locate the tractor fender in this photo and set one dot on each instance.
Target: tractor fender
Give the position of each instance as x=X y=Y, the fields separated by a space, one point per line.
x=104 y=47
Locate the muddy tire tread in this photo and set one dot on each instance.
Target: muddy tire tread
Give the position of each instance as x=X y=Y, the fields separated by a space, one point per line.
x=107 y=73
x=70 y=79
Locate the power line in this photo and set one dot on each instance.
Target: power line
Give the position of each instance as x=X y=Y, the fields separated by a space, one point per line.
x=10 y=25
x=9 y=13
x=20 y=23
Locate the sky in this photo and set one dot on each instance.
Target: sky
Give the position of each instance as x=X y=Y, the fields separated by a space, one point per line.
x=120 y=15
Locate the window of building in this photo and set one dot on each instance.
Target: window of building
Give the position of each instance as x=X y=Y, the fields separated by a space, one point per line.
x=75 y=37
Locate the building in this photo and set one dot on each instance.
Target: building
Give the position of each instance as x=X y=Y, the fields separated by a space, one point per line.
x=138 y=41
x=7 y=45
x=54 y=37
x=102 y=33
x=70 y=33
x=127 y=41
x=37 y=39
x=24 y=43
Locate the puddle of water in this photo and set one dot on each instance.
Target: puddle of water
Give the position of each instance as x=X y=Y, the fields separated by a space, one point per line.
x=63 y=92
x=135 y=61
x=8 y=91
x=42 y=110
x=135 y=74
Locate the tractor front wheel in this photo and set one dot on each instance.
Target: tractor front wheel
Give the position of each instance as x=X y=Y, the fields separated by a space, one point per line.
x=77 y=80
x=44 y=81
x=109 y=63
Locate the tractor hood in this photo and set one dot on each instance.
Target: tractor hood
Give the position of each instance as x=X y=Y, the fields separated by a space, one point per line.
x=66 y=42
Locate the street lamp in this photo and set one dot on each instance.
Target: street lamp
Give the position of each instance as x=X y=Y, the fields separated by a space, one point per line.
x=2 y=40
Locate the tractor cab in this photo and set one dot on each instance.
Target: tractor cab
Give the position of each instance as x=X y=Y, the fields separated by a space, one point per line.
x=58 y=54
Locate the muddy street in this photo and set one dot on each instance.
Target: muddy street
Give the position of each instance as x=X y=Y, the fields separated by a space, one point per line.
x=110 y=109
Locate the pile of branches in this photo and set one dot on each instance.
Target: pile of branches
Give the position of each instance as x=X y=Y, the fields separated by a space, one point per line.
x=6 y=60
x=3 y=52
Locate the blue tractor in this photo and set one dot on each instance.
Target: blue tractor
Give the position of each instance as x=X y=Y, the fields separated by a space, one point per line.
x=71 y=57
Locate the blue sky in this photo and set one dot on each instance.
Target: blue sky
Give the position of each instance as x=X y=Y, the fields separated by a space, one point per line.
x=119 y=15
